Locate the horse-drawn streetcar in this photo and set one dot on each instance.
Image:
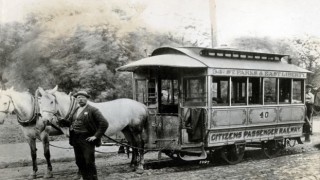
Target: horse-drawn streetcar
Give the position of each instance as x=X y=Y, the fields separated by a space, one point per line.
x=202 y=100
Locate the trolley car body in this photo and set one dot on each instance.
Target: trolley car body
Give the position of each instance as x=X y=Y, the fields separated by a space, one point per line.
x=202 y=99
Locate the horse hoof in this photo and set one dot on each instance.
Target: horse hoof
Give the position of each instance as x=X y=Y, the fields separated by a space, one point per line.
x=77 y=177
x=32 y=176
x=139 y=171
x=48 y=175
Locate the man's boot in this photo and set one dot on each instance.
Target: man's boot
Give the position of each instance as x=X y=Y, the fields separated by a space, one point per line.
x=77 y=176
x=307 y=137
x=95 y=177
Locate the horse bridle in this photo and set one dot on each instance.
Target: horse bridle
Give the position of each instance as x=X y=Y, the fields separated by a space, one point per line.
x=53 y=112
x=56 y=111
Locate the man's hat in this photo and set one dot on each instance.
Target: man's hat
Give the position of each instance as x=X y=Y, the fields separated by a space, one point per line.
x=309 y=86
x=83 y=93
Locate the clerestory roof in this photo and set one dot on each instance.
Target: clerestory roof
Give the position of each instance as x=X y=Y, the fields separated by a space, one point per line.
x=196 y=57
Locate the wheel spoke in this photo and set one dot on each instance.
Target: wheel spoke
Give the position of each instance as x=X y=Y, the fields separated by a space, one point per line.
x=233 y=154
x=272 y=148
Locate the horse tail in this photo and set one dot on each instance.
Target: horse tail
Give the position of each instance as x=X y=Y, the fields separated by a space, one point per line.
x=145 y=123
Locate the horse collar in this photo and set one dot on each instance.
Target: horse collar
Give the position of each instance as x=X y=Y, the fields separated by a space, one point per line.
x=35 y=114
x=72 y=108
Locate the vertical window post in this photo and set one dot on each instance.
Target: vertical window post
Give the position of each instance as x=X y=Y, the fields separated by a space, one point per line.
x=262 y=81
x=291 y=90
x=277 y=89
x=230 y=91
x=209 y=90
x=247 y=92
x=303 y=91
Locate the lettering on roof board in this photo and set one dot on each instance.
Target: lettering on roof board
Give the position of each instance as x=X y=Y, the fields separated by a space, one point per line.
x=260 y=73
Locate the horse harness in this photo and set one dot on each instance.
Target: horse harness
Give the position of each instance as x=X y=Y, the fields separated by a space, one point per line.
x=56 y=113
x=35 y=112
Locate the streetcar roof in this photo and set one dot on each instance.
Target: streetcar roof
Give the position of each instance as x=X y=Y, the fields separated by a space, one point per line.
x=195 y=57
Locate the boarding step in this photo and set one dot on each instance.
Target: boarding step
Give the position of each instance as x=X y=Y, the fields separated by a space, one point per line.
x=192 y=154
x=191 y=145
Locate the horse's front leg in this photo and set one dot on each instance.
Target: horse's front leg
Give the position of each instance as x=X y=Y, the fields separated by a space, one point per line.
x=46 y=149
x=33 y=148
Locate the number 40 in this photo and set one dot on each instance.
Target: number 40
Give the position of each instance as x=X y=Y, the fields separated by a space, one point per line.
x=264 y=115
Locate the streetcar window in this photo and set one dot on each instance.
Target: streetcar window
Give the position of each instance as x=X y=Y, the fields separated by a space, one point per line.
x=195 y=91
x=141 y=90
x=284 y=91
x=239 y=91
x=168 y=96
x=255 y=90
x=270 y=90
x=220 y=91
x=169 y=92
x=152 y=99
x=297 y=96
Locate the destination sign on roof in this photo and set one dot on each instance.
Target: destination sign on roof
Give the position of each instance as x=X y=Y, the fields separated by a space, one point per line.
x=256 y=73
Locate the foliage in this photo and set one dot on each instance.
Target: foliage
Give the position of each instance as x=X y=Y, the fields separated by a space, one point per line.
x=45 y=50
x=304 y=52
x=85 y=59
x=308 y=51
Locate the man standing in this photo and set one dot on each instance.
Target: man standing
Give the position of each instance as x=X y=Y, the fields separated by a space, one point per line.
x=87 y=127
x=309 y=104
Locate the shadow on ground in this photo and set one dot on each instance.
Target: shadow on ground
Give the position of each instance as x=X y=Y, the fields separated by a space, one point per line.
x=317 y=146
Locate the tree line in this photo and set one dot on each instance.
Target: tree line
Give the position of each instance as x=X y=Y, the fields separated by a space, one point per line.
x=87 y=58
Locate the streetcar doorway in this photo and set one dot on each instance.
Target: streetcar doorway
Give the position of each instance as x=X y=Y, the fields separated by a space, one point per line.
x=168 y=95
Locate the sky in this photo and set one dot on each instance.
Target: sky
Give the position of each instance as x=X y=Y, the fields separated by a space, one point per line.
x=234 y=18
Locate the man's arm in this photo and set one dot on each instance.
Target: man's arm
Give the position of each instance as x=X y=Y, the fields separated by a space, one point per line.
x=101 y=122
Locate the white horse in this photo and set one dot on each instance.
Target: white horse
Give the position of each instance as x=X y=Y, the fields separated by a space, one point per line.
x=26 y=108
x=124 y=115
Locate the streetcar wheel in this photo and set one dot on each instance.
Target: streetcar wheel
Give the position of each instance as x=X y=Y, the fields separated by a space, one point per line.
x=272 y=148
x=232 y=154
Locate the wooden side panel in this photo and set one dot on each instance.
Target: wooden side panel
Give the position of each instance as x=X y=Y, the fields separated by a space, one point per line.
x=151 y=132
x=163 y=131
x=263 y=115
x=254 y=124
x=228 y=117
x=291 y=114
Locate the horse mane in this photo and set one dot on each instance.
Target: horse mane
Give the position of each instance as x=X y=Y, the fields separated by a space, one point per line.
x=11 y=92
